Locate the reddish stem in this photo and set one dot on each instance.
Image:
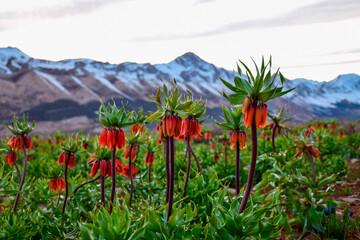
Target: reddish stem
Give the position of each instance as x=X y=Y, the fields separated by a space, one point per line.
x=167 y=166
x=172 y=176
x=66 y=183
x=22 y=179
x=196 y=159
x=84 y=183
x=237 y=168
x=188 y=164
x=113 y=179
x=252 y=167
x=131 y=182
x=312 y=165
x=273 y=139
x=102 y=180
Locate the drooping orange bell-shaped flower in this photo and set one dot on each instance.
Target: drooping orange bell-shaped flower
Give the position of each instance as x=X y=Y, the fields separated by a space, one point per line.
x=95 y=168
x=103 y=138
x=11 y=158
x=103 y=167
x=111 y=139
x=121 y=140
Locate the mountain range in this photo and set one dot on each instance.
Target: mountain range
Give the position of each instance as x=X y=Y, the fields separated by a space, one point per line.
x=60 y=90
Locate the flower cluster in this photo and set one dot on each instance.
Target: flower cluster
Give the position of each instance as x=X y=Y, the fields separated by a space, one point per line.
x=191 y=128
x=171 y=126
x=57 y=184
x=149 y=158
x=238 y=137
x=253 y=110
x=207 y=135
x=18 y=142
x=112 y=138
x=131 y=151
x=66 y=158
x=313 y=151
x=126 y=171
x=135 y=128
x=10 y=158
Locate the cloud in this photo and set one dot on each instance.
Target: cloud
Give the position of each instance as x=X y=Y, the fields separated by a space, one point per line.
x=346 y=51
x=322 y=64
x=324 y=11
x=72 y=8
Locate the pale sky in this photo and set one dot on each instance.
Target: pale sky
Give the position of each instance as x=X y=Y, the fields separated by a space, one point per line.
x=313 y=39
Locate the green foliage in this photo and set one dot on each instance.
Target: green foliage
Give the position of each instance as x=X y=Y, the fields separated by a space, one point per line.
x=261 y=87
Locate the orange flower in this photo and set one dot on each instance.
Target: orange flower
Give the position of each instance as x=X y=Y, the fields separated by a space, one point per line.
x=71 y=161
x=127 y=152
x=249 y=116
x=207 y=135
x=60 y=184
x=103 y=138
x=61 y=158
x=134 y=128
x=298 y=153
x=185 y=124
x=53 y=185
x=118 y=166
x=170 y=125
x=134 y=152
x=264 y=116
x=10 y=158
x=103 y=167
x=95 y=168
x=224 y=143
x=16 y=143
x=64 y=158
x=127 y=173
x=149 y=158
x=258 y=115
x=245 y=104
x=121 y=140
x=178 y=127
x=233 y=140
x=314 y=152
x=213 y=146
x=27 y=142
x=111 y=139
x=242 y=137
x=57 y=184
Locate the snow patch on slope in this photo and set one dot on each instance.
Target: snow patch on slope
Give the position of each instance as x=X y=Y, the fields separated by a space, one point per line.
x=84 y=86
x=46 y=77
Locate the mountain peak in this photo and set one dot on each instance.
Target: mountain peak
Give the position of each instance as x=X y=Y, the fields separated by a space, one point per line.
x=12 y=52
x=188 y=59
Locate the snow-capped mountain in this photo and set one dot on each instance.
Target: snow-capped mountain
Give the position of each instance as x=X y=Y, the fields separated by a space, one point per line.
x=52 y=90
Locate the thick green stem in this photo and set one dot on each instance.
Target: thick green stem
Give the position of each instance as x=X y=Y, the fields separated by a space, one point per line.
x=22 y=179
x=252 y=168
